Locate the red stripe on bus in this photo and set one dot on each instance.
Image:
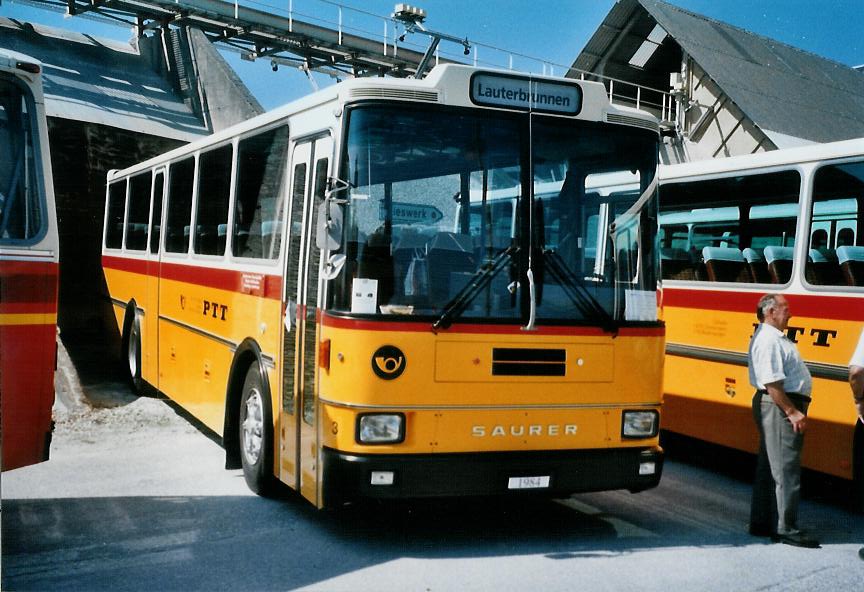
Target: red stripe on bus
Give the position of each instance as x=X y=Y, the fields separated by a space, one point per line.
x=130 y=265
x=477 y=328
x=824 y=306
x=243 y=282
x=28 y=282
x=47 y=307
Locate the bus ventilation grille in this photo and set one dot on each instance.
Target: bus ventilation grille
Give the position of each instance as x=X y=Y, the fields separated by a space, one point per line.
x=430 y=96
x=528 y=362
x=634 y=121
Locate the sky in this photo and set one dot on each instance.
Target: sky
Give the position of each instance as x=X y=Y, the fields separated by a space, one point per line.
x=553 y=32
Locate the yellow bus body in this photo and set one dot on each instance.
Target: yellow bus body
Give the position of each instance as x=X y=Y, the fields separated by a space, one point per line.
x=711 y=400
x=205 y=297
x=454 y=404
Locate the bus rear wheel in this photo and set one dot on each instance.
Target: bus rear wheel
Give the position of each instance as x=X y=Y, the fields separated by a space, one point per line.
x=132 y=350
x=255 y=431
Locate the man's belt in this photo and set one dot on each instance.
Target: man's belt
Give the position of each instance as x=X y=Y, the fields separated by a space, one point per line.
x=791 y=395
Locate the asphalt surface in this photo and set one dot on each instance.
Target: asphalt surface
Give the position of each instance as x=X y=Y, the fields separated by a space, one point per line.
x=135 y=498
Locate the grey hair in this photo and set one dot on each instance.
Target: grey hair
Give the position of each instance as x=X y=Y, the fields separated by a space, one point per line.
x=766 y=302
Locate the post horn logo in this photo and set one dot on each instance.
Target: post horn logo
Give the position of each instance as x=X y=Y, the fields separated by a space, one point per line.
x=388 y=362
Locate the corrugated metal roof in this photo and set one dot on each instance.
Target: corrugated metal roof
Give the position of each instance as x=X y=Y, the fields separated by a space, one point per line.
x=782 y=89
x=102 y=81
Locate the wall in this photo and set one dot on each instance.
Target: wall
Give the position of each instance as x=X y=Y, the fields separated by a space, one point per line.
x=81 y=156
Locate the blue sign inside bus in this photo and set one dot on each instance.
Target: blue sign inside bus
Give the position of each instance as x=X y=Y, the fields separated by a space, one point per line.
x=496 y=90
x=409 y=213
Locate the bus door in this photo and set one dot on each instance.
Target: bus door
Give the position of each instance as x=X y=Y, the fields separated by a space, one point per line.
x=299 y=433
x=150 y=341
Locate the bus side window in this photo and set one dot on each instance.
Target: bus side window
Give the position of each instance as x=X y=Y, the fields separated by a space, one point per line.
x=156 y=217
x=22 y=208
x=214 y=185
x=838 y=198
x=822 y=268
x=139 y=208
x=260 y=195
x=779 y=263
x=757 y=266
x=725 y=264
x=676 y=264
x=180 y=179
x=116 y=212
x=852 y=264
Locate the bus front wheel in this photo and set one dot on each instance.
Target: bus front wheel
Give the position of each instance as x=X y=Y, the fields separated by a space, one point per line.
x=255 y=431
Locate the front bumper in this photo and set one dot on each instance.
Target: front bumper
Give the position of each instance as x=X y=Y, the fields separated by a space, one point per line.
x=348 y=477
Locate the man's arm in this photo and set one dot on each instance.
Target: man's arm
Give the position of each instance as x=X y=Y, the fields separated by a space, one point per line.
x=856 y=381
x=778 y=395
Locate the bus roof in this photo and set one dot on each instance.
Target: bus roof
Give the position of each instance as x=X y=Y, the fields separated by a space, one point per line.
x=446 y=84
x=11 y=61
x=774 y=158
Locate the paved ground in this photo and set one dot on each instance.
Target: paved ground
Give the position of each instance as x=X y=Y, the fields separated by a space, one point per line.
x=134 y=498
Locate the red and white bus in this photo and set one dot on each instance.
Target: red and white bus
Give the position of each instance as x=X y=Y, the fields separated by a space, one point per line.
x=28 y=265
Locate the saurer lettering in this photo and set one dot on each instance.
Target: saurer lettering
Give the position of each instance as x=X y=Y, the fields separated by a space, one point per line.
x=481 y=431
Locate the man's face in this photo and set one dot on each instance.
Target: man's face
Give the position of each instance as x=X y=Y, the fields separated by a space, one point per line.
x=778 y=315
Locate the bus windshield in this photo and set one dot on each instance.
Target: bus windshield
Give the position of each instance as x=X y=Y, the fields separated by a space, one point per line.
x=446 y=213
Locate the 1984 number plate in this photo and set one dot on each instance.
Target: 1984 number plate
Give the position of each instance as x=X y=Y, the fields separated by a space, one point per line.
x=528 y=482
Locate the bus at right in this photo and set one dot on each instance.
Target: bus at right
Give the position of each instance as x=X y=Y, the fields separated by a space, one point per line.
x=787 y=221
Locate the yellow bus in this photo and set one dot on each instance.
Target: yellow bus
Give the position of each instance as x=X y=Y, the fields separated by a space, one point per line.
x=334 y=290
x=789 y=221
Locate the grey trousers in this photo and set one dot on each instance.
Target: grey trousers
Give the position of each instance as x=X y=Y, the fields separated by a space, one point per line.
x=777 y=484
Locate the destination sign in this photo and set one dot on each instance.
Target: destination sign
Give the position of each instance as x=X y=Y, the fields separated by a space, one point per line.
x=499 y=90
x=406 y=213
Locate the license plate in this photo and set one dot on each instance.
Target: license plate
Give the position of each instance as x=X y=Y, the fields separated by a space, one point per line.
x=528 y=482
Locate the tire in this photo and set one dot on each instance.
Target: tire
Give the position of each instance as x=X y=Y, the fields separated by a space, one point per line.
x=132 y=351
x=255 y=434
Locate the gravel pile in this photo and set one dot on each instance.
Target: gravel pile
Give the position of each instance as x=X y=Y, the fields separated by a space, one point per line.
x=136 y=419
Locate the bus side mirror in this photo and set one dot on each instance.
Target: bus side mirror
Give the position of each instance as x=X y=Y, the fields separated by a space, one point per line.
x=328 y=234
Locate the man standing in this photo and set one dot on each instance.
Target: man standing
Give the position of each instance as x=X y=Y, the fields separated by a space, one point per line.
x=856 y=381
x=783 y=386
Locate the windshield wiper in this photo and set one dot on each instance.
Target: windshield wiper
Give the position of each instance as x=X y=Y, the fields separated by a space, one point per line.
x=577 y=292
x=475 y=285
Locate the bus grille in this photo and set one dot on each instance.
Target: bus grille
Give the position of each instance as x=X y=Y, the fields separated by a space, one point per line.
x=634 y=121
x=429 y=96
x=528 y=362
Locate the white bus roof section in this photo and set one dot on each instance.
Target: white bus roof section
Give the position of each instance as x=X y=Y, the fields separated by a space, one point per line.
x=450 y=83
x=763 y=160
x=102 y=81
x=446 y=84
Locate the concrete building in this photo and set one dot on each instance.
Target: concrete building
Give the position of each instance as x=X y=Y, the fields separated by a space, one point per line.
x=720 y=90
x=110 y=105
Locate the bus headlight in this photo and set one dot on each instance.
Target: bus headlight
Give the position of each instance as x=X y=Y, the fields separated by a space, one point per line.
x=380 y=428
x=640 y=424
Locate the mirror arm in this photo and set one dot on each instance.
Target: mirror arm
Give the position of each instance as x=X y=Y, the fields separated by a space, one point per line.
x=336 y=185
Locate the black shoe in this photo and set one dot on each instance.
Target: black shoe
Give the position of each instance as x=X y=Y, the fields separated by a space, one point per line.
x=861 y=553
x=759 y=530
x=796 y=540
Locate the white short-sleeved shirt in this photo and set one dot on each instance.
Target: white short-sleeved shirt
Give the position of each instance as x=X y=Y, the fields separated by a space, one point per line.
x=858 y=356
x=774 y=357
